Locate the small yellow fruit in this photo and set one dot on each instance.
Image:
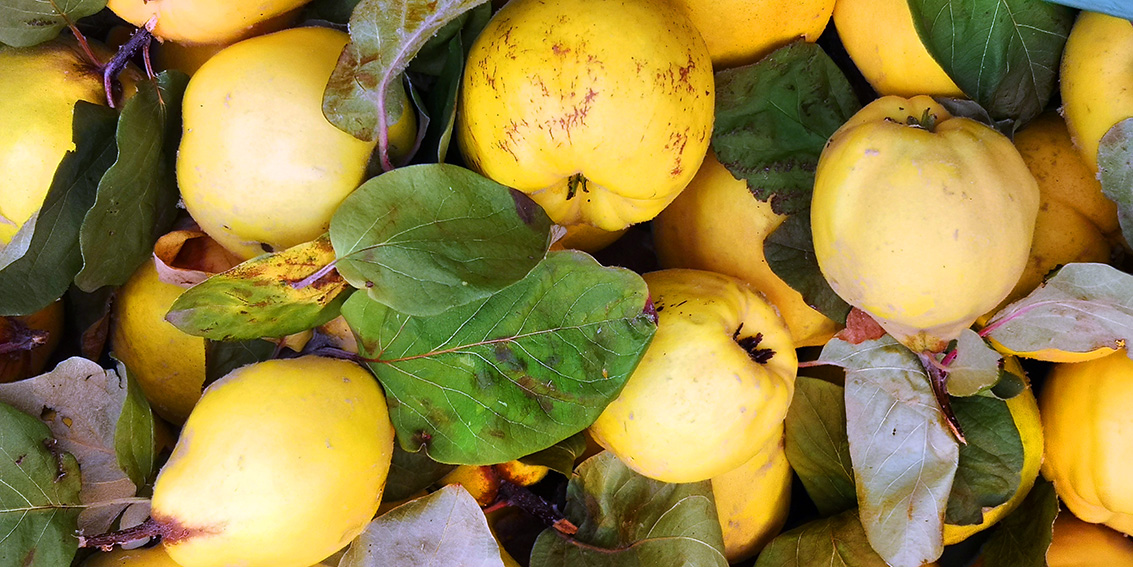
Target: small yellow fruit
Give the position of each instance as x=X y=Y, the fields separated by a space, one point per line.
x=1080 y=544
x=202 y=21
x=1096 y=79
x=921 y=219
x=601 y=110
x=739 y=32
x=260 y=168
x=880 y=37
x=280 y=464
x=187 y=58
x=168 y=364
x=752 y=501
x=716 y=224
x=713 y=387
x=1087 y=422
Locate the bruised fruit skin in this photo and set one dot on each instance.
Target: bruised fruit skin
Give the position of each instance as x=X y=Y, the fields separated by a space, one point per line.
x=168 y=363
x=716 y=224
x=752 y=501
x=46 y=325
x=202 y=21
x=921 y=219
x=281 y=464
x=1096 y=79
x=713 y=387
x=599 y=121
x=260 y=168
x=739 y=32
x=483 y=481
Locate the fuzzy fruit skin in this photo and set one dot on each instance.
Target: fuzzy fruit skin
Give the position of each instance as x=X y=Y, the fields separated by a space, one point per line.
x=168 y=364
x=716 y=224
x=698 y=405
x=924 y=230
x=1096 y=79
x=1081 y=544
x=559 y=89
x=281 y=464
x=752 y=501
x=259 y=166
x=202 y=21
x=739 y=32
x=880 y=37
x=1086 y=419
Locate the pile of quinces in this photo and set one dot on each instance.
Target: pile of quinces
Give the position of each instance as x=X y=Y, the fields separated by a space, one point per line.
x=565 y=282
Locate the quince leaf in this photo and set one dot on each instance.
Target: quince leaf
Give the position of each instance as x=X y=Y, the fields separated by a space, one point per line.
x=1004 y=54
x=39 y=498
x=991 y=463
x=1023 y=537
x=135 y=435
x=506 y=376
x=975 y=367
x=838 y=541
x=1081 y=308
x=445 y=528
x=904 y=455
x=817 y=446
x=625 y=519
x=272 y=295
x=1115 y=170
x=1116 y=8
x=39 y=264
x=364 y=96
x=425 y=238
x=24 y=23
x=137 y=197
x=410 y=473
x=222 y=357
x=790 y=254
x=561 y=456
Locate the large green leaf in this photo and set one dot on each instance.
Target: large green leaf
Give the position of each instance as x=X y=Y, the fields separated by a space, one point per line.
x=39 y=495
x=39 y=264
x=1081 y=308
x=904 y=455
x=990 y=462
x=425 y=238
x=512 y=374
x=137 y=197
x=817 y=446
x=628 y=520
x=838 y=541
x=1004 y=54
x=28 y=22
x=1022 y=538
x=1115 y=170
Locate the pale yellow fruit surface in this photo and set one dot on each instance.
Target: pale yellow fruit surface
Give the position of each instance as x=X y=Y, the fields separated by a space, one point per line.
x=168 y=364
x=1024 y=410
x=259 y=167
x=716 y=224
x=699 y=404
x=142 y=557
x=600 y=110
x=883 y=43
x=1096 y=79
x=752 y=502
x=1087 y=422
x=281 y=464
x=201 y=21
x=1081 y=544
x=924 y=229
x=739 y=32
x=586 y=237
x=187 y=58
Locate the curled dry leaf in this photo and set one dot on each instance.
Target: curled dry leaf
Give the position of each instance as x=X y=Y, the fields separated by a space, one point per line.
x=188 y=257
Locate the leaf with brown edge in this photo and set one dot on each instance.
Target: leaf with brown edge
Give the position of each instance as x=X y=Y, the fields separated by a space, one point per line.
x=268 y=296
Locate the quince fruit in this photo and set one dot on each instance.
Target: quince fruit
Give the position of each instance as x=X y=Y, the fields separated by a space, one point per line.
x=753 y=500
x=716 y=224
x=713 y=387
x=203 y=21
x=260 y=168
x=280 y=464
x=600 y=122
x=1096 y=79
x=921 y=219
x=1081 y=544
x=739 y=32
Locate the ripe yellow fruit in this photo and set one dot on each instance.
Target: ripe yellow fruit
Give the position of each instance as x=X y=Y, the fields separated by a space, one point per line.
x=39 y=87
x=187 y=58
x=260 y=168
x=202 y=21
x=880 y=38
x=281 y=464
x=739 y=32
x=1080 y=544
x=600 y=121
x=1096 y=79
x=155 y=556
x=1087 y=422
x=713 y=387
x=752 y=501
x=921 y=219
x=168 y=364
x=716 y=224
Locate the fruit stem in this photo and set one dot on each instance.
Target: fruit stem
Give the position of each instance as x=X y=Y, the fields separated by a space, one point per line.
x=106 y=542
x=938 y=379
x=140 y=40
x=82 y=39
x=531 y=503
x=23 y=337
